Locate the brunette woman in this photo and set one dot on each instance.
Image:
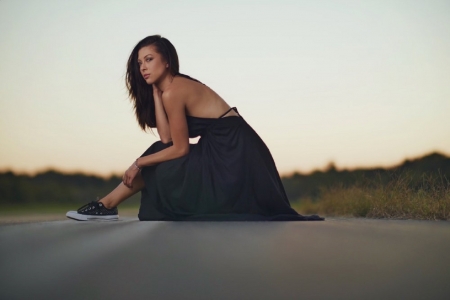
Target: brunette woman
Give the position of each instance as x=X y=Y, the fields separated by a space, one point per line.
x=228 y=175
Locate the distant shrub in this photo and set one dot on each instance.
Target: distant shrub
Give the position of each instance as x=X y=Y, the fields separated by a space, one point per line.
x=401 y=197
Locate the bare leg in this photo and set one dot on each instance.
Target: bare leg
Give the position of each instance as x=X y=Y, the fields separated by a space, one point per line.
x=122 y=192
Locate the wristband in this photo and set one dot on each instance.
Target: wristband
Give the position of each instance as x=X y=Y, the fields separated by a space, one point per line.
x=135 y=163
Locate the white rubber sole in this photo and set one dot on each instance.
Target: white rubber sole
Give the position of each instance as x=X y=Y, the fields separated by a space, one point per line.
x=73 y=214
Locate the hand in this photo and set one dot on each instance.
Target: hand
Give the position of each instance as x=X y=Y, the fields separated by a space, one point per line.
x=129 y=175
x=157 y=93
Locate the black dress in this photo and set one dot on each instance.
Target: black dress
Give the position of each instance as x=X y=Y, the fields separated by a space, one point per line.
x=229 y=175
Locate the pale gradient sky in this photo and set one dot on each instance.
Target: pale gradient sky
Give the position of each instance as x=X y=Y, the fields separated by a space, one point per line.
x=360 y=83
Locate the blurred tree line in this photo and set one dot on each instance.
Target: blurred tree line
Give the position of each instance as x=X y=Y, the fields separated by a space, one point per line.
x=56 y=187
x=431 y=168
x=53 y=187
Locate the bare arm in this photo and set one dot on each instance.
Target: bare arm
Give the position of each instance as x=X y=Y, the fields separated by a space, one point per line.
x=162 y=124
x=175 y=109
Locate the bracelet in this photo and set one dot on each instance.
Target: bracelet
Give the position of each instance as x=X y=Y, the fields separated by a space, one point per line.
x=135 y=163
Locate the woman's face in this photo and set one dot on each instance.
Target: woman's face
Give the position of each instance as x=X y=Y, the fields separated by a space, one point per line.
x=151 y=65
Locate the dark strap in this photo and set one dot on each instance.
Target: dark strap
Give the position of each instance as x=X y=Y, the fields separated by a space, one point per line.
x=235 y=109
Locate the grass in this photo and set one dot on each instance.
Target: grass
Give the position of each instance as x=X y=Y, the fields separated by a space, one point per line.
x=400 y=198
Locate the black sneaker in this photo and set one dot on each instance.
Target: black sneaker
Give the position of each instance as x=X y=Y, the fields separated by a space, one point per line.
x=94 y=211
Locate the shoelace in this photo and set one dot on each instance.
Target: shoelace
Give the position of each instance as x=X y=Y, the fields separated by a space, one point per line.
x=90 y=204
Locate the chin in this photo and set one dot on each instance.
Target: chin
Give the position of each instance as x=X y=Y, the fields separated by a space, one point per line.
x=149 y=81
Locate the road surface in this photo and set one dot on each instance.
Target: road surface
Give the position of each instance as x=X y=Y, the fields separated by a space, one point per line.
x=337 y=258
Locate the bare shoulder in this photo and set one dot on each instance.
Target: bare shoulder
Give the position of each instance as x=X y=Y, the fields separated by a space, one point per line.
x=195 y=97
x=179 y=90
x=172 y=99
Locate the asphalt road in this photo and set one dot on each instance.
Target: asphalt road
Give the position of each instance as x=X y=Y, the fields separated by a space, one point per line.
x=128 y=259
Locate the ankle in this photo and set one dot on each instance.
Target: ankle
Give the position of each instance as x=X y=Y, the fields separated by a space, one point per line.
x=106 y=204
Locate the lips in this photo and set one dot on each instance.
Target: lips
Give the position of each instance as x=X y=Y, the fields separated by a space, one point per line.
x=146 y=76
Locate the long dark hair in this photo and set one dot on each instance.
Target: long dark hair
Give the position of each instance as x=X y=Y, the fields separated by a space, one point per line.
x=139 y=91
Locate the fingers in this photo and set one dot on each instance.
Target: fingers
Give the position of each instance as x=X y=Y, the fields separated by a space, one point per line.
x=156 y=92
x=128 y=184
x=127 y=180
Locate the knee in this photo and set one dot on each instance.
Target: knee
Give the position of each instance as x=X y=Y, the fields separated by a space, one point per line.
x=157 y=146
x=165 y=141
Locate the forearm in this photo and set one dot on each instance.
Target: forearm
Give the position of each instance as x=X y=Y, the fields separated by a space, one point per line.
x=162 y=123
x=168 y=153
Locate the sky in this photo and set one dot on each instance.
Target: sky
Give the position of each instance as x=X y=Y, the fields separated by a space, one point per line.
x=356 y=83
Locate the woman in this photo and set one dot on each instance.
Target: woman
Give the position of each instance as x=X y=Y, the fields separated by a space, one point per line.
x=228 y=175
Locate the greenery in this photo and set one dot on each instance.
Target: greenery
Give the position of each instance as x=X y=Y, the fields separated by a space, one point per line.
x=55 y=188
x=417 y=189
x=401 y=198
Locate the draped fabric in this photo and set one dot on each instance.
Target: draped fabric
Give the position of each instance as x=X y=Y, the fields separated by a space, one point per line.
x=228 y=175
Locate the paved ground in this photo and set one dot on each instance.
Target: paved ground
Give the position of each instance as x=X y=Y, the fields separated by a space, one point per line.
x=128 y=259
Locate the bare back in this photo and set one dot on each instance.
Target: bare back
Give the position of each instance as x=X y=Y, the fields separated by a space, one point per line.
x=201 y=101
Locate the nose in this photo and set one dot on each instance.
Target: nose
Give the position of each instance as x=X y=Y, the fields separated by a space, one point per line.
x=142 y=67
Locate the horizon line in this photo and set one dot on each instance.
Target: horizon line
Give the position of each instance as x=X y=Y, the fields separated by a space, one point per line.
x=330 y=164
